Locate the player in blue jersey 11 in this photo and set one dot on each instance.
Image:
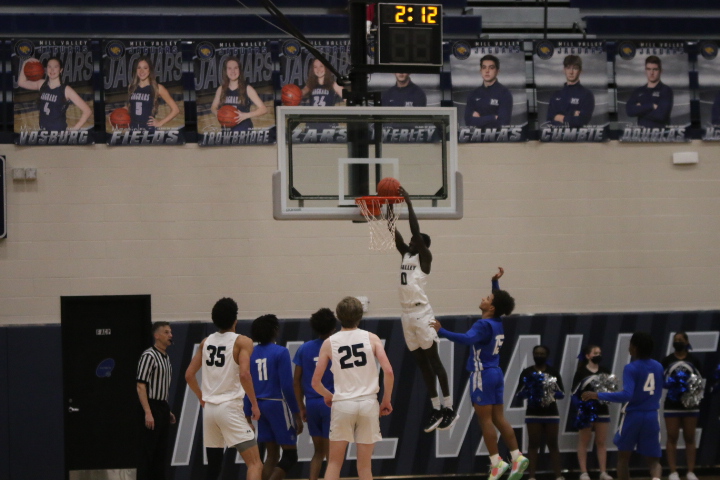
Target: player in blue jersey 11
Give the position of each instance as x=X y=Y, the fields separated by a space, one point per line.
x=643 y=380
x=313 y=410
x=486 y=337
x=235 y=91
x=653 y=102
x=144 y=94
x=55 y=97
x=271 y=372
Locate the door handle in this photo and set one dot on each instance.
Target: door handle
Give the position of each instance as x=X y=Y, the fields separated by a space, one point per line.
x=73 y=410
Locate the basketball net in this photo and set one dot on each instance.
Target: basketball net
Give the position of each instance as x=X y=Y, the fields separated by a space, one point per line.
x=381 y=214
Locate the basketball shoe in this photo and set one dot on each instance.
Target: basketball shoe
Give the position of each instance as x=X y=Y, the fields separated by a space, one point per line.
x=498 y=470
x=436 y=417
x=450 y=418
x=518 y=467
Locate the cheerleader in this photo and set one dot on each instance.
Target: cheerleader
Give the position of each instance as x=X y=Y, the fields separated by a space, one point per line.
x=588 y=369
x=236 y=92
x=542 y=421
x=678 y=416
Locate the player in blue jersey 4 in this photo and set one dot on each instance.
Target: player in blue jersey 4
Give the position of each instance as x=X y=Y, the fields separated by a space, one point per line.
x=643 y=382
x=271 y=372
x=573 y=105
x=144 y=94
x=404 y=93
x=313 y=409
x=420 y=338
x=652 y=103
x=490 y=105
x=236 y=92
x=485 y=338
x=55 y=97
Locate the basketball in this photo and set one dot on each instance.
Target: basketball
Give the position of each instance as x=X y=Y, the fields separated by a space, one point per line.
x=34 y=71
x=120 y=118
x=291 y=95
x=227 y=116
x=388 y=187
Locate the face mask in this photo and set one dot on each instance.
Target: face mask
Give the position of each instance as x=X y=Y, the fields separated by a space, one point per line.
x=596 y=359
x=679 y=346
x=540 y=361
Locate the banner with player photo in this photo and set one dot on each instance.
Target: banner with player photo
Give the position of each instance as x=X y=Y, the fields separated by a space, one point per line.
x=53 y=92
x=492 y=106
x=235 y=95
x=708 y=68
x=306 y=81
x=143 y=92
x=653 y=91
x=572 y=90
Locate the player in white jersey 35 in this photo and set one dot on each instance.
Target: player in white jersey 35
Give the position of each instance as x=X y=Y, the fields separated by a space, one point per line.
x=420 y=338
x=354 y=406
x=224 y=358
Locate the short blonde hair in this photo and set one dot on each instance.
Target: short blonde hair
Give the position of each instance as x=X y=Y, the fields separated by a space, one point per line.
x=349 y=311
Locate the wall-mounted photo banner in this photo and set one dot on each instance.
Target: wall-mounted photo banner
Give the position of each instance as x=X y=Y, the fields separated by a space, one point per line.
x=488 y=89
x=306 y=81
x=143 y=92
x=407 y=90
x=572 y=90
x=53 y=92
x=235 y=96
x=653 y=91
x=708 y=68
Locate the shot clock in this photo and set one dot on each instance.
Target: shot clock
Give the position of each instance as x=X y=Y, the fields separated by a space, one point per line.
x=410 y=34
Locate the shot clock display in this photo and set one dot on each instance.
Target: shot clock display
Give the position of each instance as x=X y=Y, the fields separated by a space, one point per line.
x=410 y=34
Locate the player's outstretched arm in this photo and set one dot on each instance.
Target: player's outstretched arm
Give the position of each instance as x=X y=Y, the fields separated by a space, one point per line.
x=192 y=370
x=242 y=351
x=425 y=255
x=388 y=375
x=323 y=360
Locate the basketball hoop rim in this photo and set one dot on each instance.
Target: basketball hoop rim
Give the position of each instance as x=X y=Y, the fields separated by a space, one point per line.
x=378 y=198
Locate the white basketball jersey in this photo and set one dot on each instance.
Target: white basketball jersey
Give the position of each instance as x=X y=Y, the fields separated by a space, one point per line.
x=355 y=372
x=412 y=282
x=220 y=373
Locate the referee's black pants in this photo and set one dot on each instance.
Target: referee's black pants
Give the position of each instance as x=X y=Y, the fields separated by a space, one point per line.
x=153 y=443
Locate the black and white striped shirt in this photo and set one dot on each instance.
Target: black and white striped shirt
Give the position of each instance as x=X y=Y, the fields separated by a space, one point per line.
x=155 y=371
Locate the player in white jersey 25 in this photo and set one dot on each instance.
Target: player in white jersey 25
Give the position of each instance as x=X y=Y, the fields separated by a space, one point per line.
x=421 y=339
x=224 y=358
x=354 y=406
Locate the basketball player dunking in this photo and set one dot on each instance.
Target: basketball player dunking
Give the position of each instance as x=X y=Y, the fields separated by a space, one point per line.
x=421 y=339
x=224 y=358
x=355 y=412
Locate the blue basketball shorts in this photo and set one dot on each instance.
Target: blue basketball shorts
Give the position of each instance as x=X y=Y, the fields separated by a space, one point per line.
x=640 y=431
x=487 y=387
x=275 y=424
x=318 y=417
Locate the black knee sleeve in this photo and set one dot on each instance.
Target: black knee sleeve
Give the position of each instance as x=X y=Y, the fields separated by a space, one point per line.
x=289 y=458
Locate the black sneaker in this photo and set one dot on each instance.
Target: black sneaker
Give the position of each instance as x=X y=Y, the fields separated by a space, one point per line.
x=436 y=417
x=449 y=418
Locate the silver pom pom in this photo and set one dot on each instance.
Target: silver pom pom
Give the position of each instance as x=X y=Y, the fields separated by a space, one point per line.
x=550 y=386
x=695 y=393
x=605 y=383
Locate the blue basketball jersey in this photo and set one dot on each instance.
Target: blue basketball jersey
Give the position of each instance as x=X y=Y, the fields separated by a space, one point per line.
x=643 y=382
x=232 y=97
x=486 y=336
x=52 y=105
x=140 y=106
x=323 y=97
x=271 y=372
x=306 y=357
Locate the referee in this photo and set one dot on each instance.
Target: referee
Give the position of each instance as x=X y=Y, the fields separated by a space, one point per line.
x=153 y=386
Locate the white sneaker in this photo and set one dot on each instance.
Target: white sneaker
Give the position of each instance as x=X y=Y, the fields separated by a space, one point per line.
x=585 y=476
x=674 y=476
x=605 y=476
x=691 y=476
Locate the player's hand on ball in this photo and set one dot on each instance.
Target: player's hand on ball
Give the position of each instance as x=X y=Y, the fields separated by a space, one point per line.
x=435 y=324
x=589 y=396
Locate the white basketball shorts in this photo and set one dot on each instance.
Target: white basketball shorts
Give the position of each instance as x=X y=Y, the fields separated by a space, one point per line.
x=356 y=420
x=416 y=327
x=224 y=424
